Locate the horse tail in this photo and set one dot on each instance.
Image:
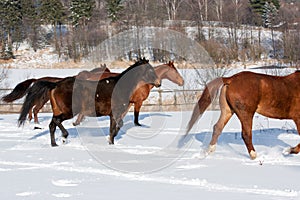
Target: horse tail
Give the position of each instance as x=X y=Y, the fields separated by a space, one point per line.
x=209 y=94
x=19 y=91
x=37 y=92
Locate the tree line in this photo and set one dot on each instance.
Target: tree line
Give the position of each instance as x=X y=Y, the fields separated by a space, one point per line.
x=79 y=25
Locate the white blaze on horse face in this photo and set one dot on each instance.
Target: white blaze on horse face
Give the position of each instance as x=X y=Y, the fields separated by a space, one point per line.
x=107 y=81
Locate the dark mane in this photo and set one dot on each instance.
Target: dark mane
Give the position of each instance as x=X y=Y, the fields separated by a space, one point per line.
x=137 y=63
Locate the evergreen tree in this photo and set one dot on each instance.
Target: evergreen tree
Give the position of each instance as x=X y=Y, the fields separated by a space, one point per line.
x=31 y=22
x=52 y=12
x=10 y=20
x=269 y=14
x=258 y=7
x=81 y=11
x=113 y=9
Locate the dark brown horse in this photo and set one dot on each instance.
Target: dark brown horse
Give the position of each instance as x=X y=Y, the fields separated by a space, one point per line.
x=108 y=96
x=244 y=94
x=164 y=71
x=22 y=88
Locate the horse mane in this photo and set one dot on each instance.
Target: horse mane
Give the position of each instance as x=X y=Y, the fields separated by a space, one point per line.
x=140 y=61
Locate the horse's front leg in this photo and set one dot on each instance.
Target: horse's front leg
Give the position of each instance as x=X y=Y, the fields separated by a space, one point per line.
x=115 y=126
x=137 y=108
x=246 y=121
x=78 y=120
x=296 y=149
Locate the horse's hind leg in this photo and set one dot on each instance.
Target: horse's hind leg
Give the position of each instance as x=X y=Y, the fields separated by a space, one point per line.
x=58 y=121
x=52 y=128
x=30 y=114
x=36 y=110
x=38 y=106
x=226 y=114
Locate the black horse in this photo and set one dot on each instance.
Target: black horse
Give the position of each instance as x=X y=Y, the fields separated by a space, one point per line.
x=109 y=96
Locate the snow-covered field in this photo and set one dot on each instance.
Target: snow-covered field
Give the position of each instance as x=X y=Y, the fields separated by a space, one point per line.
x=145 y=162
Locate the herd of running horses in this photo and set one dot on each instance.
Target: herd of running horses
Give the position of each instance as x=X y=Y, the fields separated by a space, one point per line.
x=100 y=92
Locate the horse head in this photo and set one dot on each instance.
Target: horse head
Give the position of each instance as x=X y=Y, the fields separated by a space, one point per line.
x=172 y=74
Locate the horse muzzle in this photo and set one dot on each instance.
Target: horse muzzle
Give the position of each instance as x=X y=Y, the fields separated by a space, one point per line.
x=181 y=83
x=157 y=83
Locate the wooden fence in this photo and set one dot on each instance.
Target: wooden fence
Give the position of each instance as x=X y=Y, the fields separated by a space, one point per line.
x=158 y=100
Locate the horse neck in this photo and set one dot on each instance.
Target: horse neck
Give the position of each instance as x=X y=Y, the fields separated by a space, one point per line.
x=161 y=71
x=127 y=88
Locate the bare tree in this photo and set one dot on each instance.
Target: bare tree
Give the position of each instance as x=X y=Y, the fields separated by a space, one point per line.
x=172 y=7
x=219 y=4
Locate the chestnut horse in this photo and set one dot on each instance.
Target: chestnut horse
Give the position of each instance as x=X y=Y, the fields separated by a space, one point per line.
x=164 y=71
x=109 y=96
x=244 y=94
x=22 y=88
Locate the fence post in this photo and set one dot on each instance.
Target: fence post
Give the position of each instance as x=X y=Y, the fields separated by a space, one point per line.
x=160 y=99
x=175 y=99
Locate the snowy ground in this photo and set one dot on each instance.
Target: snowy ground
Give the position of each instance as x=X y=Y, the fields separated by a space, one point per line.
x=145 y=162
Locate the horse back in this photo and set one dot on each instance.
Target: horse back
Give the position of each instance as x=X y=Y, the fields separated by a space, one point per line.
x=93 y=98
x=50 y=79
x=271 y=96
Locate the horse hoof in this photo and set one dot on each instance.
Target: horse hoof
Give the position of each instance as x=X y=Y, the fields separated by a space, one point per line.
x=75 y=124
x=252 y=154
x=37 y=127
x=54 y=145
x=211 y=149
x=110 y=142
x=287 y=151
x=137 y=124
x=64 y=140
